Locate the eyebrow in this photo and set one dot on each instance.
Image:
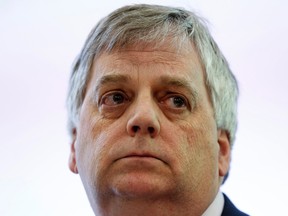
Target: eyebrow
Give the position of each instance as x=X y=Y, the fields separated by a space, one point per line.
x=111 y=79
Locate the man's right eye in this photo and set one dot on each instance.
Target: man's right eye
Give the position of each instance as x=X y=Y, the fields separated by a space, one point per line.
x=114 y=98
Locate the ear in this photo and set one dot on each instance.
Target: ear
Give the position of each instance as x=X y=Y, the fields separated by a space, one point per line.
x=224 y=152
x=72 y=157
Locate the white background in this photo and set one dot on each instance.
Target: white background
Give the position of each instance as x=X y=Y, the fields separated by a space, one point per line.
x=38 y=43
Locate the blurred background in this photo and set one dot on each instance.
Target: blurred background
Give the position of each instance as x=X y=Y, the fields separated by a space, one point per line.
x=38 y=43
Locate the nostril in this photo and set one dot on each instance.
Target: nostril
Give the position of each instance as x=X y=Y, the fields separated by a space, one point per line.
x=135 y=129
x=151 y=130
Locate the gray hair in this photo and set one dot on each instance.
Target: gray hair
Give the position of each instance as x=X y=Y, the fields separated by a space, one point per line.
x=145 y=24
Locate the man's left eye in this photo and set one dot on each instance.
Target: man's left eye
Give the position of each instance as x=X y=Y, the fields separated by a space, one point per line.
x=178 y=101
x=175 y=102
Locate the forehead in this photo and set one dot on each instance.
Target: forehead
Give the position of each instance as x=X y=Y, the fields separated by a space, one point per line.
x=164 y=59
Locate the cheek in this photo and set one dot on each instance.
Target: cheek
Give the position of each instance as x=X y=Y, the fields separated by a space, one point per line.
x=200 y=142
x=96 y=138
x=89 y=145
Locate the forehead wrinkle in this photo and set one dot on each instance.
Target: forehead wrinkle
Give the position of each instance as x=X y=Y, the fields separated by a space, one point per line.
x=149 y=56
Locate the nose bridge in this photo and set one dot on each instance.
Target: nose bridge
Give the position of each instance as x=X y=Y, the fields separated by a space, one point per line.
x=145 y=104
x=144 y=118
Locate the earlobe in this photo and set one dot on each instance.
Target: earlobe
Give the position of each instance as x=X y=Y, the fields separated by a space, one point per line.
x=72 y=157
x=224 y=152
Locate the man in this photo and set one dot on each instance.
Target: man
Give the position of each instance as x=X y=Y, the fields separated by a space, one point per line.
x=152 y=115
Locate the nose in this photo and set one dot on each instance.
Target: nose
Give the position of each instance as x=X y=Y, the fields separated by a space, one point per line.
x=144 y=119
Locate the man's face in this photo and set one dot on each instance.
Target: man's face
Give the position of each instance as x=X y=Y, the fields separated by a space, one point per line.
x=147 y=129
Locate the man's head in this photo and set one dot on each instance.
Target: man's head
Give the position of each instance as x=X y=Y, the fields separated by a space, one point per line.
x=152 y=110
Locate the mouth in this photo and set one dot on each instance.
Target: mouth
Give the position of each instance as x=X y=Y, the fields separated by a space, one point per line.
x=142 y=157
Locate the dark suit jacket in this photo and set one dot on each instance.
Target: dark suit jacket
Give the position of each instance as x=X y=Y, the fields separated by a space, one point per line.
x=231 y=210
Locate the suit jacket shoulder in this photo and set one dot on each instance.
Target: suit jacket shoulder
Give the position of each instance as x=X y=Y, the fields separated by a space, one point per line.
x=230 y=209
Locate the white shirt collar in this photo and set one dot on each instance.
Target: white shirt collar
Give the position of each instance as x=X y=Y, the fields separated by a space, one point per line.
x=216 y=207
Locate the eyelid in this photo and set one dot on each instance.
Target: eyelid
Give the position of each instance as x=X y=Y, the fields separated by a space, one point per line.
x=183 y=85
x=111 y=80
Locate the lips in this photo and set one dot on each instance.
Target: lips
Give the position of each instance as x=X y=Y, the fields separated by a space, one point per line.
x=140 y=156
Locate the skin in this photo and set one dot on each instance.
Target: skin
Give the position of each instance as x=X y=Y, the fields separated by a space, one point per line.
x=147 y=142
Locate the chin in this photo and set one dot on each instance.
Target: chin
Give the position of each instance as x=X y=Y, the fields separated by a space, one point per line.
x=141 y=186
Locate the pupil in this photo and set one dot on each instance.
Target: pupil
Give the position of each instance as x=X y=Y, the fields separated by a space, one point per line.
x=178 y=101
x=117 y=98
